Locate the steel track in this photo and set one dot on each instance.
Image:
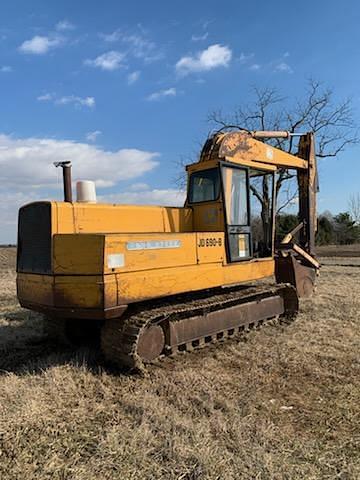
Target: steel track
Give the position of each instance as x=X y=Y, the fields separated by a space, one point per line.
x=120 y=337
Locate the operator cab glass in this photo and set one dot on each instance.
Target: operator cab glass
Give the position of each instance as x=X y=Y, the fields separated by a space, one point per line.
x=237 y=215
x=204 y=186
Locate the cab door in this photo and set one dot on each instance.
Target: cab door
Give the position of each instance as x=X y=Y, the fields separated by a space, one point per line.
x=235 y=188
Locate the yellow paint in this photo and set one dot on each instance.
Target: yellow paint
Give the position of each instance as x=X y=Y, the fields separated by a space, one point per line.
x=239 y=147
x=111 y=291
x=210 y=247
x=151 y=258
x=242 y=149
x=94 y=291
x=252 y=164
x=105 y=218
x=78 y=254
x=83 y=292
x=177 y=219
x=195 y=167
x=88 y=254
x=208 y=217
x=34 y=288
x=152 y=283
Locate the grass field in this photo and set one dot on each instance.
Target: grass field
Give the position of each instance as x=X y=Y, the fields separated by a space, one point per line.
x=281 y=403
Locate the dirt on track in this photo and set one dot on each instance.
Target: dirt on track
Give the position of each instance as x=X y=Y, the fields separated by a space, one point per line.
x=281 y=403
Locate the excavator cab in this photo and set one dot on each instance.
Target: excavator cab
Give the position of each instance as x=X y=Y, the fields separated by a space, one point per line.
x=223 y=198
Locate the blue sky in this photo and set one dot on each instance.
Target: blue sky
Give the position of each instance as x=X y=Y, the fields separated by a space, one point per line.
x=123 y=89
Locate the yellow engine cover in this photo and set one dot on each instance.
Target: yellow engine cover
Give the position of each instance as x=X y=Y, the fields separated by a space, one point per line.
x=96 y=274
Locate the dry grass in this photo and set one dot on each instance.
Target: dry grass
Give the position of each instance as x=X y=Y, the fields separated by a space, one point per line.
x=339 y=250
x=282 y=404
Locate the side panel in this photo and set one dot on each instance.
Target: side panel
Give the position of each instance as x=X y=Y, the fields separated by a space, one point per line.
x=149 y=252
x=89 y=254
x=35 y=288
x=208 y=217
x=210 y=247
x=134 y=286
x=78 y=254
x=68 y=293
x=79 y=291
x=177 y=219
x=103 y=218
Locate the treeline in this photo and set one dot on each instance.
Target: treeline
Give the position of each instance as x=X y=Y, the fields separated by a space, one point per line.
x=338 y=229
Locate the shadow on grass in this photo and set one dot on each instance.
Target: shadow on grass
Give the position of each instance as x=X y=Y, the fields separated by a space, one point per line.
x=24 y=348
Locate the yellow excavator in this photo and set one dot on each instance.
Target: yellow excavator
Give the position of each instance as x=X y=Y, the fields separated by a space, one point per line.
x=161 y=280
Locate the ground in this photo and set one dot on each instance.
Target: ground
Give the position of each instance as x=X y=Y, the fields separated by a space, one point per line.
x=281 y=403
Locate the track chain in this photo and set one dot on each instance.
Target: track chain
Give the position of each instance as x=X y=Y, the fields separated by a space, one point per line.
x=120 y=336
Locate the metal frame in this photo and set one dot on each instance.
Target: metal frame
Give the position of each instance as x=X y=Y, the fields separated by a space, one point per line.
x=224 y=164
x=273 y=206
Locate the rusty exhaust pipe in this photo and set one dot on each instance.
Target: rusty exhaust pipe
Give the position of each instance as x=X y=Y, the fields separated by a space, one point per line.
x=66 y=168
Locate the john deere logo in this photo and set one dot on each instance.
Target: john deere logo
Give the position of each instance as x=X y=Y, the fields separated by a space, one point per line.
x=153 y=244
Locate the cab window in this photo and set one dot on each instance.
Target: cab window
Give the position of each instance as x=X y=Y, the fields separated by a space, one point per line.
x=204 y=186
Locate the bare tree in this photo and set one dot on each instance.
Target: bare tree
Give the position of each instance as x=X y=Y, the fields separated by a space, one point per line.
x=318 y=111
x=354 y=207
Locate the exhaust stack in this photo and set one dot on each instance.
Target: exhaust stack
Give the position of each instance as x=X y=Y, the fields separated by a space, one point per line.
x=66 y=168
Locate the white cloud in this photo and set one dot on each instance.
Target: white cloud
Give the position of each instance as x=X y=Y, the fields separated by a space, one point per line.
x=11 y=201
x=111 y=37
x=168 y=197
x=212 y=57
x=92 y=136
x=199 y=38
x=245 y=57
x=206 y=23
x=283 y=67
x=28 y=162
x=68 y=99
x=141 y=46
x=255 y=67
x=46 y=97
x=135 y=44
x=77 y=101
x=39 y=45
x=107 y=61
x=29 y=174
x=133 y=77
x=137 y=187
x=6 y=69
x=169 y=92
x=64 y=25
